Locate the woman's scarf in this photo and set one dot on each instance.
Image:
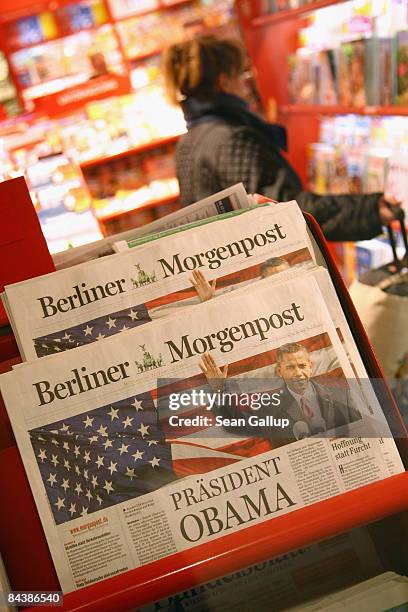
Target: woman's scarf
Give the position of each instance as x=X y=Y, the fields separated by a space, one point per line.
x=233 y=110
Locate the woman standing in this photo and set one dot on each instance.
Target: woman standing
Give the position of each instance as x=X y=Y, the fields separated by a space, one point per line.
x=226 y=143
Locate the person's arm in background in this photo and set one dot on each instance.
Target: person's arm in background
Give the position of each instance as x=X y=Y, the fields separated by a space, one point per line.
x=262 y=169
x=351 y=216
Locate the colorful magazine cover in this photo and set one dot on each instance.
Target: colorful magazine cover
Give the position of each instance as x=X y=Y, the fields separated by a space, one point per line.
x=326 y=76
x=355 y=169
x=387 y=71
x=327 y=169
x=402 y=68
x=302 y=81
x=352 y=74
x=320 y=167
x=376 y=168
x=345 y=98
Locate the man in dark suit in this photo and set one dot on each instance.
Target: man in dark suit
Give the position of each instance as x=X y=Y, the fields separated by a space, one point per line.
x=303 y=400
x=309 y=407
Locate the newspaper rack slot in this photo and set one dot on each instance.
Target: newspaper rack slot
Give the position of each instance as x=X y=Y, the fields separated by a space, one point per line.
x=21 y=530
x=254 y=544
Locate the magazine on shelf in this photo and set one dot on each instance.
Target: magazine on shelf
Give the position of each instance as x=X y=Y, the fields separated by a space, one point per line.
x=302 y=78
x=402 y=68
x=232 y=198
x=313 y=77
x=121 y=473
x=380 y=71
x=326 y=77
x=100 y=298
x=396 y=181
x=352 y=73
x=376 y=169
x=387 y=71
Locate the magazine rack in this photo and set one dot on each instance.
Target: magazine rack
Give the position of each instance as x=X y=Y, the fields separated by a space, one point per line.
x=23 y=254
x=23 y=250
x=28 y=561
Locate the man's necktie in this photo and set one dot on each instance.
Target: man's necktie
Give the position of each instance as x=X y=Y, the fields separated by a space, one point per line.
x=306 y=409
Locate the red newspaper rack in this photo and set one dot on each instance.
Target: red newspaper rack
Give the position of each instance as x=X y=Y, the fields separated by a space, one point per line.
x=28 y=561
x=23 y=249
x=23 y=254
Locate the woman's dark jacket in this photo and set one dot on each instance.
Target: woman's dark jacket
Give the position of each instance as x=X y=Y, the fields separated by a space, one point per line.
x=227 y=144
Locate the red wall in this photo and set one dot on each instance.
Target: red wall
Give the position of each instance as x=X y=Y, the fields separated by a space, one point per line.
x=269 y=46
x=12 y=9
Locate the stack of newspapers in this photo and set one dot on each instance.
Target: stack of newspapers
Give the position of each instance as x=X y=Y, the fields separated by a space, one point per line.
x=199 y=381
x=288 y=580
x=386 y=592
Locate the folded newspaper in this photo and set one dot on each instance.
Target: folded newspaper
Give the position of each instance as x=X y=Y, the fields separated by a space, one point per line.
x=232 y=198
x=287 y=580
x=100 y=298
x=124 y=471
x=386 y=592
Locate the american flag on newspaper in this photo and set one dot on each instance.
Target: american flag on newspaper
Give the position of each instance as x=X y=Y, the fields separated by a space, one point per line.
x=102 y=457
x=91 y=331
x=111 y=324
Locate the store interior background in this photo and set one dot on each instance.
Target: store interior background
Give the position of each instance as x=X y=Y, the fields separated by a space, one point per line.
x=101 y=159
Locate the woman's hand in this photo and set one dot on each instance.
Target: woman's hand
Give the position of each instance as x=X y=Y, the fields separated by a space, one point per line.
x=205 y=290
x=390 y=209
x=215 y=376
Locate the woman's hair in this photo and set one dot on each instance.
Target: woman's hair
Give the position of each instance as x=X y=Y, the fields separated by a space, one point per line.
x=192 y=67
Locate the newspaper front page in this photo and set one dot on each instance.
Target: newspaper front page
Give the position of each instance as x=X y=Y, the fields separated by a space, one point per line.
x=95 y=300
x=122 y=475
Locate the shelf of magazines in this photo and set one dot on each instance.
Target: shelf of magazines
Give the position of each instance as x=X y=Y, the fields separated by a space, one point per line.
x=139 y=149
x=199 y=562
x=321 y=109
x=290 y=9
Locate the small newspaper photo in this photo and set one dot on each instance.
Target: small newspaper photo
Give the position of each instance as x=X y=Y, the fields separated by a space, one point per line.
x=133 y=451
x=98 y=299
